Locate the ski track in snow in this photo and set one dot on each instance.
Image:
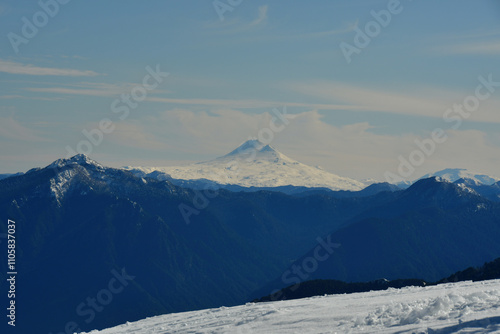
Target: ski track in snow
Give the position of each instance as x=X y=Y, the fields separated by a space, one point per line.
x=466 y=307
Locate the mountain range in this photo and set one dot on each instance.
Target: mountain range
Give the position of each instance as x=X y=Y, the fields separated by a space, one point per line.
x=81 y=224
x=78 y=222
x=254 y=166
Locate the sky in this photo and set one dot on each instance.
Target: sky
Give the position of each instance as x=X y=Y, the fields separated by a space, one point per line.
x=371 y=88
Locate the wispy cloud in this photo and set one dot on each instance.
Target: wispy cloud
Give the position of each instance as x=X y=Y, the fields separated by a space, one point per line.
x=237 y=25
x=74 y=57
x=347 y=28
x=477 y=42
x=473 y=48
x=7 y=97
x=91 y=89
x=21 y=97
x=474 y=35
x=251 y=104
x=76 y=91
x=12 y=129
x=134 y=134
x=104 y=90
x=28 y=69
x=345 y=150
x=185 y=131
x=308 y=35
x=421 y=101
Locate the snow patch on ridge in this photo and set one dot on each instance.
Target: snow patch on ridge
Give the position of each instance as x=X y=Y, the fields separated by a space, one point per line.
x=59 y=184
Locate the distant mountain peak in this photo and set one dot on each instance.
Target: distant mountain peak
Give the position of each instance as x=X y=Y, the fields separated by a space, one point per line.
x=437 y=187
x=250 y=147
x=258 y=165
x=253 y=151
x=79 y=159
x=436 y=181
x=268 y=148
x=251 y=143
x=468 y=182
x=455 y=174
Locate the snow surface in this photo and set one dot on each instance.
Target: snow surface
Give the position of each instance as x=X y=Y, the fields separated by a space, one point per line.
x=59 y=184
x=466 y=307
x=254 y=164
x=454 y=174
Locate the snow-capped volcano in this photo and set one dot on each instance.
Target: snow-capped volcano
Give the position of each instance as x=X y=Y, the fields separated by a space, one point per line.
x=254 y=164
x=254 y=150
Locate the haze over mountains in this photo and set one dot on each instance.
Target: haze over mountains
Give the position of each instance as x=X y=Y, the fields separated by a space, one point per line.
x=80 y=223
x=254 y=165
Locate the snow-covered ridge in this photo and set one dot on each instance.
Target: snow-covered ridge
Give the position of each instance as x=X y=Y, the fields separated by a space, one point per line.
x=455 y=174
x=254 y=164
x=466 y=307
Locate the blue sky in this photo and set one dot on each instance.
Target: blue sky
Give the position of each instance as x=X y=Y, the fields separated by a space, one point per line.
x=225 y=77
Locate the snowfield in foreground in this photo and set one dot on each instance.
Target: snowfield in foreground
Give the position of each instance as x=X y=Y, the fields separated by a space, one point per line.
x=466 y=307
